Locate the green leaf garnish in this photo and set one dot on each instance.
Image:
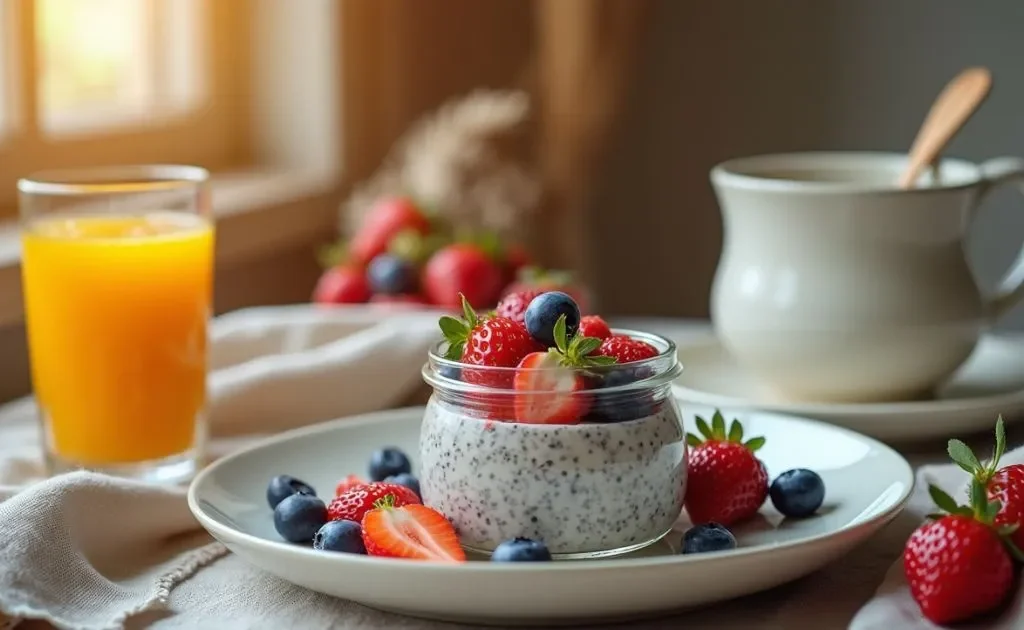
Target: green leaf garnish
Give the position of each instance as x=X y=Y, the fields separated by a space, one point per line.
x=717 y=431
x=963 y=456
x=575 y=352
x=456 y=331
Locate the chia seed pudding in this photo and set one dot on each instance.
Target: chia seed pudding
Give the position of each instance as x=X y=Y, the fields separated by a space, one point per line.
x=606 y=484
x=590 y=489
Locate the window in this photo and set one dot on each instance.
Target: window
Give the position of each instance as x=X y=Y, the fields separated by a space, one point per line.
x=85 y=82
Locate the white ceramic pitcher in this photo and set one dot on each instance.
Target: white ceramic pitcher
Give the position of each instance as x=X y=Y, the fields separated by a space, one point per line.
x=836 y=286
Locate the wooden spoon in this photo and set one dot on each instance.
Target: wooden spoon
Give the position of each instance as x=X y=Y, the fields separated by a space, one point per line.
x=951 y=110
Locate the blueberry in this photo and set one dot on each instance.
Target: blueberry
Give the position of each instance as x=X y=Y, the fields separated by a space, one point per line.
x=797 y=493
x=388 y=462
x=391 y=275
x=283 y=486
x=450 y=371
x=620 y=406
x=544 y=311
x=521 y=550
x=346 y=536
x=407 y=480
x=299 y=516
x=708 y=537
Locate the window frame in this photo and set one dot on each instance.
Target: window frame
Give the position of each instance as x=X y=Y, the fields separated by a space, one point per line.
x=215 y=135
x=285 y=192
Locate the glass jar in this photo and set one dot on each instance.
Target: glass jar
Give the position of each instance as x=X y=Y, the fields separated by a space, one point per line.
x=609 y=483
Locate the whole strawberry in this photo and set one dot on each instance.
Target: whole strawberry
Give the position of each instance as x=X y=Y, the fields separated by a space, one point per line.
x=1003 y=485
x=387 y=218
x=594 y=326
x=725 y=482
x=342 y=284
x=356 y=501
x=957 y=565
x=513 y=305
x=626 y=349
x=461 y=269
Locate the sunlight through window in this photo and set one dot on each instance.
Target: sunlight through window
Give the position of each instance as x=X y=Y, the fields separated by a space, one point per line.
x=102 y=61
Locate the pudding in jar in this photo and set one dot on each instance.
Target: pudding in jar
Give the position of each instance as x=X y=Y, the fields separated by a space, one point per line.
x=567 y=446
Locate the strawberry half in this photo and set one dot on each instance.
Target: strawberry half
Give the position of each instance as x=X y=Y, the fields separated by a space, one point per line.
x=352 y=504
x=416 y=532
x=548 y=383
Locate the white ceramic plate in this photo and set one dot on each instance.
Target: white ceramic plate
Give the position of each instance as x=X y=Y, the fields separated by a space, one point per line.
x=989 y=384
x=867 y=484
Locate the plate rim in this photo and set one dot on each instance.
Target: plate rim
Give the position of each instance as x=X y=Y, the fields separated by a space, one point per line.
x=905 y=407
x=221 y=531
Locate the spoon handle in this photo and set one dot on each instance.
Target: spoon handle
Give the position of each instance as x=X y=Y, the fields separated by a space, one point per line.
x=954 y=106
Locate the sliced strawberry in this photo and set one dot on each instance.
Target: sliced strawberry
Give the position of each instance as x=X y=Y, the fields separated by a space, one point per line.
x=348 y=483
x=352 y=504
x=548 y=384
x=546 y=391
x=416 y=532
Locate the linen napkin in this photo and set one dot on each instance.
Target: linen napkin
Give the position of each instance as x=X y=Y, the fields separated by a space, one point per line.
x=88 y=551
x=892 y=605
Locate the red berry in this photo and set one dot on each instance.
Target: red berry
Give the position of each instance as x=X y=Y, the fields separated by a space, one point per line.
x=513 y=305
x=543 y=280
x=490 y=341
x=548 y=393
x=726 y=483
x=348 y=483
x=957 y=566
x=461 y=269
x=594 y=326
x=1007 y=487
x=415 y=532
x=386 y=218
x=627 y=350
x=342 y=285
x=352 y=504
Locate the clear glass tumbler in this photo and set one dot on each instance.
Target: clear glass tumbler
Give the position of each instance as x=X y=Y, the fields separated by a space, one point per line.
x=117 y=271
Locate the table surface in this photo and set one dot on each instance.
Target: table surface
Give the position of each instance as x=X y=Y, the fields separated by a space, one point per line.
x=829 y=597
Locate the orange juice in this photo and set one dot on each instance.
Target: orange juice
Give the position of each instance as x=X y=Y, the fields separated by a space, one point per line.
x=116 y=310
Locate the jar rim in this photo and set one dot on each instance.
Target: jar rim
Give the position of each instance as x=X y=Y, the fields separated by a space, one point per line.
x=664 y=367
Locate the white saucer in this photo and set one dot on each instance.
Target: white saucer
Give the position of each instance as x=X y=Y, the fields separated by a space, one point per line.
x=989 y=384
x=867 y=484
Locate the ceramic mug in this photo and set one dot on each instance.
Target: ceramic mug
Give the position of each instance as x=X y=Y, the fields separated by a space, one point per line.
x=834 y=285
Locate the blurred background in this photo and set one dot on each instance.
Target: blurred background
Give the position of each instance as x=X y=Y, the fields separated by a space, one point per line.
x=293 y=103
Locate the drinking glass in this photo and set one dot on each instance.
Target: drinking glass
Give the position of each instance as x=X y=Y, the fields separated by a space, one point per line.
x=117 y=272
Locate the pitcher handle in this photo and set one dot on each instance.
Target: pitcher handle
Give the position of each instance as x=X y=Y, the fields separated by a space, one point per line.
x=1010 y=292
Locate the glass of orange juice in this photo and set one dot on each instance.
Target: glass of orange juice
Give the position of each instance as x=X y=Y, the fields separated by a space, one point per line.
x=117 y=273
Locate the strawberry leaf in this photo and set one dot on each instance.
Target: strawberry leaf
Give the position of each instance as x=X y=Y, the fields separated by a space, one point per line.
x=468 y=312
x=704 y=429
x=692 y=440
x=718 y=425
x=1000 y=447
x=963 y=456
x=586 y=345
x=754 y=444
x=451 y=327
x=943 y=500
x=559 y=334
x=736 y=432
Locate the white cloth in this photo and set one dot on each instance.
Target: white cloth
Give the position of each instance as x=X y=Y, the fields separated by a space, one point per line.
x=88 y=551
x=893 y=606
